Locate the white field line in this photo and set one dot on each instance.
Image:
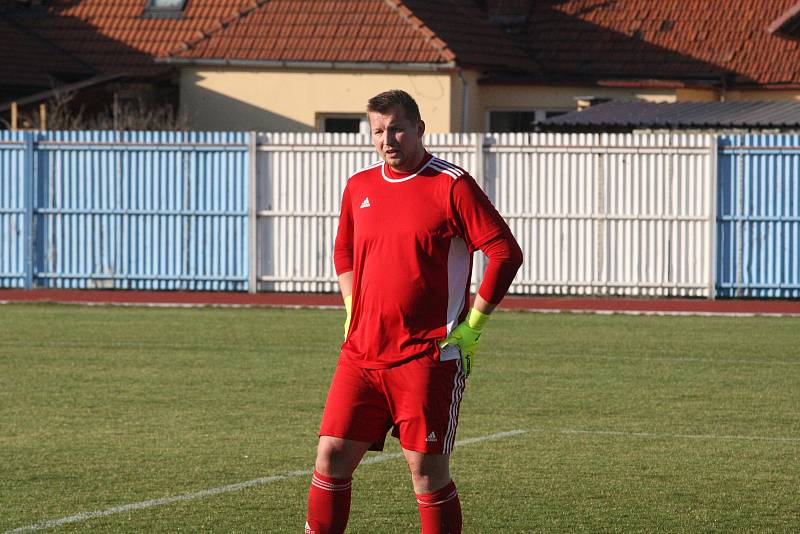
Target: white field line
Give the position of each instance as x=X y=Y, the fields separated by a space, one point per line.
x=667 y=313
x=178 y=304
x=84 y=516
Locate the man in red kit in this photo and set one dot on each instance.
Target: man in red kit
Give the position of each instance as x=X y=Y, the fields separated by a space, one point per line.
x=407 y=230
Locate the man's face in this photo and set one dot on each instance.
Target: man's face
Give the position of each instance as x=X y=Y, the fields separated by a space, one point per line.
x=397 y=139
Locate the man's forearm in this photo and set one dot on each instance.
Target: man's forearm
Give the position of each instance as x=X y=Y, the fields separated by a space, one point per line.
x=483 y=305
x=346 y=283
x=505 y=258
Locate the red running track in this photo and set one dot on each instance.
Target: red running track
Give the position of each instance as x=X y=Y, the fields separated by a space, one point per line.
x=201 y=298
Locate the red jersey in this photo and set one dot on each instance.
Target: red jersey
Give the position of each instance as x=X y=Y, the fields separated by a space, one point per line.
x=409 y=239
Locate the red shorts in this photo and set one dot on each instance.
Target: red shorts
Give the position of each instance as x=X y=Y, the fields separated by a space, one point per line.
x=419 y=400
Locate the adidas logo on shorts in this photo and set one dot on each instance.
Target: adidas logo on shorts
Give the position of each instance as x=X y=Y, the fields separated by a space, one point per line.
x=431 y=437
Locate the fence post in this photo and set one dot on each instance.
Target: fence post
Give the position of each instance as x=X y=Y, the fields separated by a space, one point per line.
x=601 y=275
x=739 y=231
x=29 y=181
x=713 y=174
x=252 y=214
x=479 y=146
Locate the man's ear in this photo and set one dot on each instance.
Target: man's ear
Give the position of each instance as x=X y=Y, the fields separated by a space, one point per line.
x=420 y=128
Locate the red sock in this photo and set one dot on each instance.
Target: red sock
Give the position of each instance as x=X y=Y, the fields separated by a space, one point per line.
x=328 y=504
x=440 y=511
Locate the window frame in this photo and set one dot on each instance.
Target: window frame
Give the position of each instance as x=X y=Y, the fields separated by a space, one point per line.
x=363 y=122
x=539 y=115
x=154 y=11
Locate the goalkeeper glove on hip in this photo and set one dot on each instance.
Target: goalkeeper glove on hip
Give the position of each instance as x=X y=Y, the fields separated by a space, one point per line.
x=466 y=337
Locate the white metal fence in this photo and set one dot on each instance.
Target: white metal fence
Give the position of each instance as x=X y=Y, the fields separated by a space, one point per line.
x=595 y=214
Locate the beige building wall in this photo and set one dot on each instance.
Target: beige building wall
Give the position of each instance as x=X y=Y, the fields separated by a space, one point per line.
x=713 y=95
x=696 y=95
x=466 y=102
x=294 y=100
x=763 y=95
x=529 y=98
x=555 y=98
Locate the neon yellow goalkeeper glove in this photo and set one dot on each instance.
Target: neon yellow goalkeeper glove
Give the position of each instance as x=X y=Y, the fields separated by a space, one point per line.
x=348 y=307
x=466 y=336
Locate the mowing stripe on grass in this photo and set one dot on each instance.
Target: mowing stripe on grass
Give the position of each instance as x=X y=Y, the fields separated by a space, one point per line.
x=673 y=436
x=665 y=359
x=659 y=313
x=84 y=516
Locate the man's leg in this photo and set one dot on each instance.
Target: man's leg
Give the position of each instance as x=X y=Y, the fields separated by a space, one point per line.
x=329 y=494
x=357 y=411
x=437 y=497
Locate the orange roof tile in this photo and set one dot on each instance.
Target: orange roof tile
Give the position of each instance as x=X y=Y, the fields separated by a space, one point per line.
x=113 y=36
x=689 y=40
x=392 y=31
x=31 y=63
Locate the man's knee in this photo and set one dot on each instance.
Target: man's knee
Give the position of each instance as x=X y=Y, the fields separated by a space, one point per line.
x=429 y=472
x=337 y=457
x=431 y=481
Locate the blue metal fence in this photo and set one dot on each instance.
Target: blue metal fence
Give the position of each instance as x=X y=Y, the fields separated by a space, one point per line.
x=124 y=210
x=13 y=212
x=758 y=216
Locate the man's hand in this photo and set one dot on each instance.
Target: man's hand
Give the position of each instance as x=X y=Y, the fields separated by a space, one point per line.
x=466 y=337
x=348 y=307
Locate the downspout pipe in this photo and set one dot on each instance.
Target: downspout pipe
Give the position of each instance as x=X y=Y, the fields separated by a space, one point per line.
x=464 y=99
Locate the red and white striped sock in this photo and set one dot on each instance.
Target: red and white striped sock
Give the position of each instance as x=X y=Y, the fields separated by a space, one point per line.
x=440 y=511
x=328 y=504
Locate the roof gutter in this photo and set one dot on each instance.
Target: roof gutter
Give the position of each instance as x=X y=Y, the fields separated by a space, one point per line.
x=305 y=65
x=607 y=82
x=647 y=83
x=786 y=24
x=722 y=83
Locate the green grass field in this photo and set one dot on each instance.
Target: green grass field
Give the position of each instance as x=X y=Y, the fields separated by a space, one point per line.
x=632 y=423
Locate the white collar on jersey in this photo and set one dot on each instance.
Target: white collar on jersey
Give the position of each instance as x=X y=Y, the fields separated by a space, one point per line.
x=410 y=176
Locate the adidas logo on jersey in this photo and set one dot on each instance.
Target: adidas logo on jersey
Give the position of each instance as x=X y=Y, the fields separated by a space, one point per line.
x=431 y=437
x=365 y=204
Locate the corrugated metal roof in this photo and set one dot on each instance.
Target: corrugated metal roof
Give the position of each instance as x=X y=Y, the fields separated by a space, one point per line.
x=683 y=115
